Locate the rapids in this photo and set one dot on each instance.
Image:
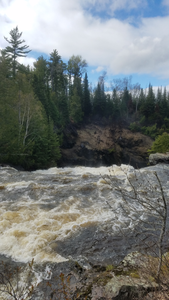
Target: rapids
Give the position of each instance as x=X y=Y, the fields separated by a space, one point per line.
x=61 y=213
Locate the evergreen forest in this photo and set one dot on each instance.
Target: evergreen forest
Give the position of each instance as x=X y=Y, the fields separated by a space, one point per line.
x=37 y=104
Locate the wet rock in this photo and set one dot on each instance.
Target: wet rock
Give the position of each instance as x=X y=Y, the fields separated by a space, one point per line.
x=95 y=283
x=159 y=158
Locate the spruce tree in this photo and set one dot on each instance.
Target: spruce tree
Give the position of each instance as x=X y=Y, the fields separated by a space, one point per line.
x=116 y=104
x=76 y=114
x=86 y=97
x=55 y=69
x=148 y=106
x=99 y=101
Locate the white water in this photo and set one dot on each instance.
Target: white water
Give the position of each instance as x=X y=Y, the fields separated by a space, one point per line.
x=39 y=208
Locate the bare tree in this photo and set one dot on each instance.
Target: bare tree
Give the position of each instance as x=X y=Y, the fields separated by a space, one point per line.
x=135 y=91
x=11 y=284
x=142 y=202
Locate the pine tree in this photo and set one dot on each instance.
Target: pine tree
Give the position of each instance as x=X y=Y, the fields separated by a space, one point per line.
x=99 y=101
x=127 y=105
x=55 y=69
x=86 y=97
x=41 y=84
x=16 y=49
x=116 y=104
x=148 y=106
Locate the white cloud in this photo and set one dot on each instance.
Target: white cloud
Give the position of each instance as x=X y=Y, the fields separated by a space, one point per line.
x=110 y=6
x=64 y=25
x=155 y=89
x=98 y=69
x=127 y=4
x=27 y=61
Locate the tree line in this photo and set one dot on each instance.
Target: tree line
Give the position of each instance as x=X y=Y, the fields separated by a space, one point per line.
x=36 y=104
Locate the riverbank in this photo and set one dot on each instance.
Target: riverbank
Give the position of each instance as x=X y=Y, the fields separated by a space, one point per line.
x=103 y=145
x=133 y=278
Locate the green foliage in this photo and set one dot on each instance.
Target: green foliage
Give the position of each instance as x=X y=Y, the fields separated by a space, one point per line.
x=36 y=105
x=126 y=103
x=111 y=150
x=109 y=268
x=76 y=66
x=134 y=127
x=142 y=120
x=161 y=144
x=76 y=113
x=99 y=100
x=26 y=137
x=116 y=111
x=147 y=107
x=150 y=130
x=166 y=122
x=86 y=97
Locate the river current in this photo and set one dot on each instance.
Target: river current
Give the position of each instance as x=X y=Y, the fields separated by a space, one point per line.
x=61 y=213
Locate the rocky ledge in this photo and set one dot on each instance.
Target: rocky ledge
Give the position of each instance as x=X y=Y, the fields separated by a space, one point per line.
x=95 y=145
x=159 y=158
x=133 y=278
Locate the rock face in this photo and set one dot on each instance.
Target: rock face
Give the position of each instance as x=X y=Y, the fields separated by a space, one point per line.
x=159 y=158
x=95 y=145
x=124 y=282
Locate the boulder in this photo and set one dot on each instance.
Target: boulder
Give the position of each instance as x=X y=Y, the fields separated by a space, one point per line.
x=126 y=288
x=159 y=158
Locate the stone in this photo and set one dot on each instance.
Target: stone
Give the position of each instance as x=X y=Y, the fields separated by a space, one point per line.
x=135 y=260
x=126 y=287
x=156 y=158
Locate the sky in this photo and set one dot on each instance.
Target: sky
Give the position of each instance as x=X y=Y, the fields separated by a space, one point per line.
x=121 y=37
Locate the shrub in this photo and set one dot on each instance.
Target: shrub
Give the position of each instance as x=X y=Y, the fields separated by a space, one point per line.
x=109 y=268
x=143 y=119
x=150 y=130
x=161 y=144
x=134 y=127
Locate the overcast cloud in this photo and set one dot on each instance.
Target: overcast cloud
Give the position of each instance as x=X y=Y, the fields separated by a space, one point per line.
x=70 y=27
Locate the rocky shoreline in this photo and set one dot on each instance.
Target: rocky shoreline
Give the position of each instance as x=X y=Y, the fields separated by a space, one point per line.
x=133 y=278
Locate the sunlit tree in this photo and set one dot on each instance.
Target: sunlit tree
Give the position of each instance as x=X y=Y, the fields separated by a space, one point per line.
x=16 y=48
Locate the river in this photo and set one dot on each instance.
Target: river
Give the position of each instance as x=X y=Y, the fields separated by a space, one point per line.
x=61 y=213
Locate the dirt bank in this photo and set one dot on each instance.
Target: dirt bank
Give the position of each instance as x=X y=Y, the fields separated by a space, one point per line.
x=95 y=145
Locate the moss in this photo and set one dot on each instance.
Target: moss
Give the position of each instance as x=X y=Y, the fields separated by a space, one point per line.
x=109 y=268
x=151 y=278
x=132 y=272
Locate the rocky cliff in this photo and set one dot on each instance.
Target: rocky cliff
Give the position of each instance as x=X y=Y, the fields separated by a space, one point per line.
x=95 y=145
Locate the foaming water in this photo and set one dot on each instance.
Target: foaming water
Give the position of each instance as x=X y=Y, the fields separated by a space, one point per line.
x=42 y=209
